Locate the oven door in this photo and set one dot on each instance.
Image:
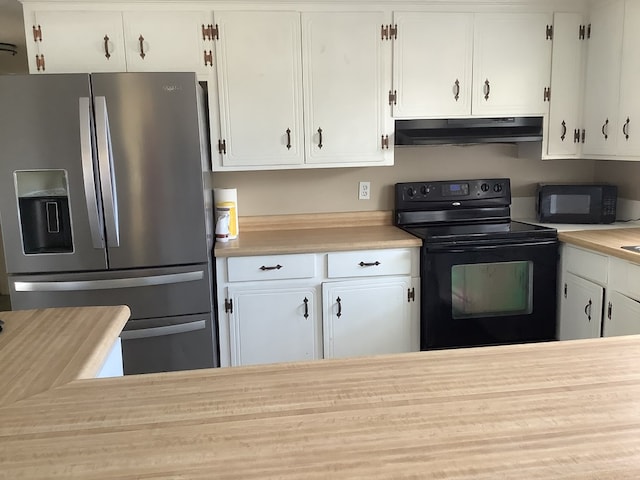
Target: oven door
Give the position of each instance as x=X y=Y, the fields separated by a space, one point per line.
x=488 y=294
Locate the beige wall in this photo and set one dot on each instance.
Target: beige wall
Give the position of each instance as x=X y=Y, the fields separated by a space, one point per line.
x=626 y=175
x=336 y=190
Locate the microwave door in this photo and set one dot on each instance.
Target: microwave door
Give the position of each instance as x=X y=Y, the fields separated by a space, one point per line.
x=50 y=219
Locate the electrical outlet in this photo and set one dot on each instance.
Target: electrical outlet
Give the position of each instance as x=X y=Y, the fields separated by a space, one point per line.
x=364 y=191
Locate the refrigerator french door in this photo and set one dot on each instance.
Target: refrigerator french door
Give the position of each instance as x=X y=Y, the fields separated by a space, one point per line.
x=102 y=201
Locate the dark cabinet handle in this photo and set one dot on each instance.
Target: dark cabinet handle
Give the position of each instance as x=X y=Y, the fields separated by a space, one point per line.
x=625 y=129
x=106 y=47
x=564 y=130
x=456 y=90
x=141 y=40
x=320 y=138
x=605 y=126
x=587 y=310
x=306 y=307
x=288 y=139
x=487 y=89
x=339 y=314
x=277 y=267
x=369 y=264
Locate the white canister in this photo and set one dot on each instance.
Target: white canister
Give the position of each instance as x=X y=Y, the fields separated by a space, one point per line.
x=226 y=201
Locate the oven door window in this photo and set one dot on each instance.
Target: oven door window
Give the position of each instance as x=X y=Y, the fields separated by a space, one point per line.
x=491 y=289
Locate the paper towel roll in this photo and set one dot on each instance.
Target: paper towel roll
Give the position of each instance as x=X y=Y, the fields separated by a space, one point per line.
x=226 y=199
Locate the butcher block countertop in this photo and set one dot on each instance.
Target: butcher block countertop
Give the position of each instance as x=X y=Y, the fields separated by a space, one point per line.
x=43 y=349
x=558 y=410
x=607 y=241
x=330 y=232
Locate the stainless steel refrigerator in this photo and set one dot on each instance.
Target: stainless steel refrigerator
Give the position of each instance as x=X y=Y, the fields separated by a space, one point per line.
x=104 y=200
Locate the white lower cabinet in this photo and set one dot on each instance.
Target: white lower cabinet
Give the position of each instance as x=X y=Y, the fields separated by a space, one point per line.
x=369 y=317
x=581 y=305
x=599 y=295
x=274 y=323
x=284 y=308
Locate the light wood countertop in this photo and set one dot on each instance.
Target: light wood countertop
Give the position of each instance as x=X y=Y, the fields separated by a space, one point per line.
x=43 y=349
x=284 y=234
x=558 y=410
x=606 y=241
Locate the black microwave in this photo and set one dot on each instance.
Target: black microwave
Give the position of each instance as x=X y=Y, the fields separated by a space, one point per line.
x=571 y=203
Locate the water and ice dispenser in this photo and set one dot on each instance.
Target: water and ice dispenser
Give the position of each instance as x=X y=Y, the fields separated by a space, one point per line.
x=43 y=204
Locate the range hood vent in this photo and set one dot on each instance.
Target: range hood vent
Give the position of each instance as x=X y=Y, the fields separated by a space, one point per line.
x=468 y=131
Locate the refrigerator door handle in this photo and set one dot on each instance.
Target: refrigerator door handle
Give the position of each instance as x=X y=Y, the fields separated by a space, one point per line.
x=109 y=283
x=88 y=173
x=107 y=177
x=162 y=331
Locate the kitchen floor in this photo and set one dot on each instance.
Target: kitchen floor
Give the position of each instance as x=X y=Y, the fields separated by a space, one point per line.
x=5 y=304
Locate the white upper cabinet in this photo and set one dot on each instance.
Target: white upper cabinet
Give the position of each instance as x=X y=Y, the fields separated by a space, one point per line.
x=168 y=41
x=565 y=121
x=512 y=63
x=432 y=63
x=462 y=64
x=75 y=41
x=602 y=88
x=345 y=72
x=629 y=113
x=266 y=60
x=260 y=89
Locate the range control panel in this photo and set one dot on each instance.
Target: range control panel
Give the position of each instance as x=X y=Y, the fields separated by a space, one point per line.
x=452 y=190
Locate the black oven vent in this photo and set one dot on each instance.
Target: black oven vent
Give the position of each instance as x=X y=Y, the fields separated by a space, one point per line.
x=458 y=131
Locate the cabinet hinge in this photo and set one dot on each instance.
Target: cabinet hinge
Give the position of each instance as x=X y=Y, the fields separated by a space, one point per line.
x=546 y=96
x=209 y=32
x=208 y=58
x=609 y=308
x=40 y=62
x=387 y=32
x=222 y=146
x=583 y=135
x=385 y=142
x=581 y=32
x=549 y=32
x=576 y=135
x=565 y=290
x=393 y=97
x=37 y=33
x=411 y=294
x=589 y=31
x=228 y=305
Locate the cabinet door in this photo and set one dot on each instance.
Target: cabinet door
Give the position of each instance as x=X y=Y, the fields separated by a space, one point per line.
x=260 y=89
x=604 y=55
x=432 y=59
x=167 y=41
x=622 y=316
x=629 y=118
x=566 y=86
x=580 y=308
x=274 y=324
x=512 y=63
x=79 y=42
x=346 y=73
x=368 y=317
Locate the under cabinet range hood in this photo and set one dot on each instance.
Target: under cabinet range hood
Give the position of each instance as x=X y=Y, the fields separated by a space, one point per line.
x=468 y=131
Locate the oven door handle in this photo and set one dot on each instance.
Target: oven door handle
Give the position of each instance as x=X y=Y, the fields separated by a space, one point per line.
x=483 y=248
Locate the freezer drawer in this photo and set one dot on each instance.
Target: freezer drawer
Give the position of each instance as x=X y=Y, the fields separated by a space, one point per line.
x=168 y=344
x=149 y=293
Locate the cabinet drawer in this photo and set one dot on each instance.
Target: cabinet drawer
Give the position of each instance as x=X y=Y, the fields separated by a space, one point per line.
x=591 y=266
x=625 y=277
x=271 y=267
x=367 y=263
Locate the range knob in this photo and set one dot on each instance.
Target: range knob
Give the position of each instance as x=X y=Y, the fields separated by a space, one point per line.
x=411 y=191
x=424 y=190
x=484 y=187
x=497 y=187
